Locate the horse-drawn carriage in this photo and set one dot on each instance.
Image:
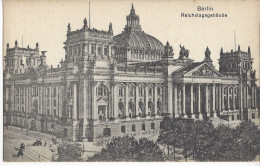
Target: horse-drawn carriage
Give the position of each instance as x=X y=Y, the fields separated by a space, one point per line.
x=38 y=142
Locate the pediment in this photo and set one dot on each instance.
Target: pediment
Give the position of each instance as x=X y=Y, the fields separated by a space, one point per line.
x=32 y=73
x=203 y=70
x=102 y=100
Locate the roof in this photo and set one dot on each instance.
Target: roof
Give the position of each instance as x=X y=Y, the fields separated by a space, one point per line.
x=138 y=39
x=189 y=67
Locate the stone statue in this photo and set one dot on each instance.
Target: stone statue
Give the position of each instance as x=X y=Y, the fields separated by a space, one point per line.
x=184 y=53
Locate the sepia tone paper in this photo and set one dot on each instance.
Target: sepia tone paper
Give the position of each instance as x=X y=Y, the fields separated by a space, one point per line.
x=86 y=104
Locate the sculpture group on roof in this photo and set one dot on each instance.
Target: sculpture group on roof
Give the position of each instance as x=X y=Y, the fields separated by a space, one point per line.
x=184 y=53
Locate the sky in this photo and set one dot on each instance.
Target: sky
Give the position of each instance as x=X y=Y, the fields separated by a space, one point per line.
x=46 y=21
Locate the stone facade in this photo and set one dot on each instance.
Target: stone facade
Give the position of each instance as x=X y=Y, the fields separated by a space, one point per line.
x=122 y=85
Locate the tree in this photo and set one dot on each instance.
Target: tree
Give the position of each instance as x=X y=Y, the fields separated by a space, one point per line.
x=202 y=134
x=69 y=151
x=128 y=149
x=148 y=151
x=224 y=144
x=248 y=142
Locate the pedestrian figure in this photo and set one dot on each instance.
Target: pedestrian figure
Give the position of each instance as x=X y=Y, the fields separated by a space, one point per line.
x=45 y=143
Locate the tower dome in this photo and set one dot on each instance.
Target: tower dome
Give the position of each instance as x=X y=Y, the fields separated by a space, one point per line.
x=137 y=41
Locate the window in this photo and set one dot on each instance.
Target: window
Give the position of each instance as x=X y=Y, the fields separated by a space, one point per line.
x=133 y=128
x=159 y=91
x=48 y=102
x=238 y=117
x=152 y=126
x=54 y=113
x=107 y=132
x=122 y=129
x=48 y=112
x=21 y=62
x=106 y=50
x=93 y=49
x=253 y=115
x=141 y=91
x=99 y=50
x=131 y=91
x=54 y=102
x=143 y=127
x=233 y=117
x=121 y=91
x=102 y=90
x=150 y=91
x=54 y=92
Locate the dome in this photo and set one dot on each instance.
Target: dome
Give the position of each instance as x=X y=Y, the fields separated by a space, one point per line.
x=138 y=39
x=134 y=37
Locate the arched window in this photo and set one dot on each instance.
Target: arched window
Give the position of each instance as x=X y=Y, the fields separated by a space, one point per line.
x=131 y=91
x=106 y=50
x=121 y=91
x=102 y=90
x=150 y=91
x=158 y=91
x=99 y=50
x=92 y=49
x=54 y=102
x=141 y=91
x=54 y=92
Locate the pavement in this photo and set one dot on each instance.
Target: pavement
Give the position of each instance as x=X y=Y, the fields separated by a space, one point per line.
x=14 y=136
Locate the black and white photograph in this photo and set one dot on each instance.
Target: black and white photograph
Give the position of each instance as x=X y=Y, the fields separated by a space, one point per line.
x=130 y=81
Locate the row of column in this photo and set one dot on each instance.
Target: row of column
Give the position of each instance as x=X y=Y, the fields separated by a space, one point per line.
x=113 y=100
x=213 y=101
x=25 y=101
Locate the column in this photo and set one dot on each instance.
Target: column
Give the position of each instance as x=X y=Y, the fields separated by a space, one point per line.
x=136 y=100
x=207 y=100
x=176 y=101
x=102 y=50
x=213 y=102
x=126 y=101
x=89 y=48
x=74 y=115
x=19 y=96
x=94 y=104
x=228 y=98
x=220 y=97
x=115 y=101
x=170 y=98
x=233 y=96
x=155 y=100
x=50 y=98
x=184 y=101
x=247 y=105
x=85 y=108
x=255 y=98
x=24 y=99
x=222 y=101
x=191 y=102
x=146 y=101
x=199 y=104
x=109 y=51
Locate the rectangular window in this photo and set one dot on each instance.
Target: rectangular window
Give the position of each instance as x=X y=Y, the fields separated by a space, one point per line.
x=253 y=115
x=133 y=128
x=54 y=112
x=233 y=117
x=143 y=127
x=238 y=117
x=48 y=112
x=107 y=132
x=152 y=126
x=122 y=129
